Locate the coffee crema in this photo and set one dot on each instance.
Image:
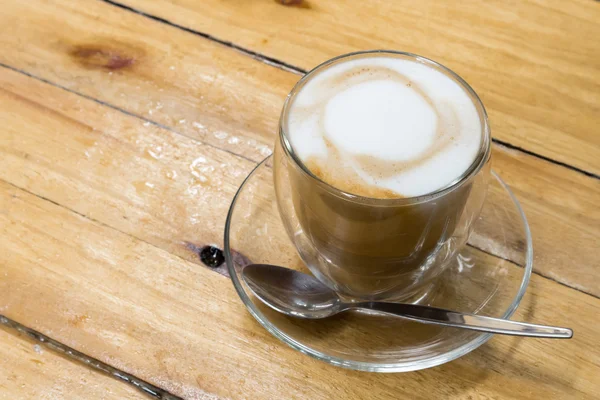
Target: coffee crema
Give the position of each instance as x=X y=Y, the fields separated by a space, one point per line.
x=384 y=127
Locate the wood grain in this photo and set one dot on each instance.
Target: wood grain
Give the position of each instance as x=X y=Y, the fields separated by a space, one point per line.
x=31 y=371
x=102 y=213
x=256 y=91
x=182 y=327
x=534 y=63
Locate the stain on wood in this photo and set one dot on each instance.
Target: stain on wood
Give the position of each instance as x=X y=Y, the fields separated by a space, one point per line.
x=239 y=259
x=519 y=245
x=294 y=3
x=104 y=57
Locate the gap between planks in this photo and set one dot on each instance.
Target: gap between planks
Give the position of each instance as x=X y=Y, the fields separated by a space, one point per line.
x=534 y=272
x=300 y=71
x=85 y=360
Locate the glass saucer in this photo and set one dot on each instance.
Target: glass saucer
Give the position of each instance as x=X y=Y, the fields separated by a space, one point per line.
x=488 y=277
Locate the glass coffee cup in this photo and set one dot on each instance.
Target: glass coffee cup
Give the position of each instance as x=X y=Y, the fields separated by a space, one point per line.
x=368 y=248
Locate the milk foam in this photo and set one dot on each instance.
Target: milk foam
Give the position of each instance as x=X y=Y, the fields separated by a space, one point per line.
x=384 y=126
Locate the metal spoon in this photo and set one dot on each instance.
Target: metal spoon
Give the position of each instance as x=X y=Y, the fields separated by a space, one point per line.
x=300 y=295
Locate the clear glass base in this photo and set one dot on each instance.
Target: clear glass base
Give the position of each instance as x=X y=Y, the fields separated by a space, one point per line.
x=489 y=276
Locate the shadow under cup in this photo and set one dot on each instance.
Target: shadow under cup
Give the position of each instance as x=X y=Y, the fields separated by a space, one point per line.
x=377 y=249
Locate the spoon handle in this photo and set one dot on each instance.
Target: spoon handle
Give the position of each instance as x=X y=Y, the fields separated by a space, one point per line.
x=438 y=316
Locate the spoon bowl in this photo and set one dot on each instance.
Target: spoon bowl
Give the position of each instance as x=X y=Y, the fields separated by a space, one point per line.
x=291 y=292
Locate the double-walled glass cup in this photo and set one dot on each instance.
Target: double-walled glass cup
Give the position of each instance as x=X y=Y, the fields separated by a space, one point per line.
x=370 y=248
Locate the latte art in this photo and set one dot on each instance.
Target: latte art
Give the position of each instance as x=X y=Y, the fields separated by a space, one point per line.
x=384 y=127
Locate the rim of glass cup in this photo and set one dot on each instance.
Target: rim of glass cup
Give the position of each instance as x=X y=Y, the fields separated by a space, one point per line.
x=372 y=366
x=481 y=159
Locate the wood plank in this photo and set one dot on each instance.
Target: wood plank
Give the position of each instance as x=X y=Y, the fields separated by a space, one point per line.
x=534 y=63
x=167 y=189
x=165 y=75
x=546 y=190
x=31 y=371
x=182 y=327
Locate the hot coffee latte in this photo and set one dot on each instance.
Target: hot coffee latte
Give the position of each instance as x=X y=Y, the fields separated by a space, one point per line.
x=384 y=127
x=383 y=159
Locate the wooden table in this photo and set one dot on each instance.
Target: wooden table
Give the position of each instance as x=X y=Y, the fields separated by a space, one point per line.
x=105 y=106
